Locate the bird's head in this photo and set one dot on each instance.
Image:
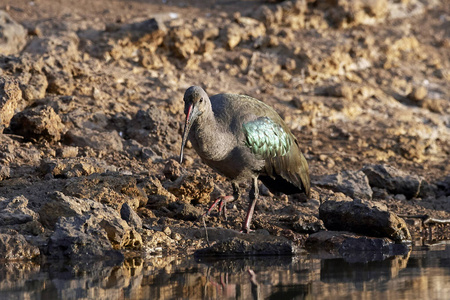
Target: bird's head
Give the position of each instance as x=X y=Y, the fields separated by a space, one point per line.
x=196 y=102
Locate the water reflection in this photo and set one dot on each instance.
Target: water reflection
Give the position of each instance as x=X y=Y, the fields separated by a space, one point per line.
x=422 y=273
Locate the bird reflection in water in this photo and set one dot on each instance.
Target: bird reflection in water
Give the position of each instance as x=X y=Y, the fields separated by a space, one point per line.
x=225 y=289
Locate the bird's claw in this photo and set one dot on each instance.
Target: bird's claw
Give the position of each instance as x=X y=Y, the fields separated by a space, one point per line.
x=222 y=201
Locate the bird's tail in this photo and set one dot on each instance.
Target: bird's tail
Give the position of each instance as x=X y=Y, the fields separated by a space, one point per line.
x=292 y=167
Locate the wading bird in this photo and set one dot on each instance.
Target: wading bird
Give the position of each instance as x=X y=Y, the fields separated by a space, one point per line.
x=243 y=138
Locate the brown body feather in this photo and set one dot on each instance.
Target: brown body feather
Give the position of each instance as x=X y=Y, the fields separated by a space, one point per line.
x=291 y=166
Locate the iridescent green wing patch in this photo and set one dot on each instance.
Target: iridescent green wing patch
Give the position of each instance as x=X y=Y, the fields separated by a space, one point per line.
x=266 y=138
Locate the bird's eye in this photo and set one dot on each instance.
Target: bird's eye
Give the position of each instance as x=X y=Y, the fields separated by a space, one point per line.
x=201 y=100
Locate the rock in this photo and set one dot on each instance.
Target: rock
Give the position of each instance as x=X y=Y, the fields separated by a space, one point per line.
x=4 y=172
x=153 y=128
x=242 y=62
x=68 y=168
x=67 y=152
x=340 y=133
x=148 y=32
x=393 y=180
x=294 y=13
x=29 y=155
x=14 y=246
x=13 y=36
x=289 y=64
x=8 y=150
x=418 y=94
x=185 y=211
x=64 y=46
x=10 y=97
x=352 y=183
x=192 y=188
x=264 y=65
x=181 y=42
x=167 y=231
x=244 y=29
x=307 y=224
x=150 y=60
x=435 y=105
x=124 y=41
x=130 y=216
x=156 y=241
x=444 y=186
x=250 y=245
x=120 y=234
x=33 y=228
x=354 y=247
x=94 y=139
x=363 y=217
x=158 y=196
x=80 y=238
x=428 y=191
x=38 y=123
x=288 y=13
x=176 y=236
x=35 y=88
x=412 y=147
x=172 y=170
x=59 y=53
x=15 y=211
x=344 y=14
x=133 y=148
x=148 y=154
x=267 y=16
x=113 y=190
x=60 y=83
x=251 y=28
x=207 y=47
x=233 y=35
x=340 y=90
x=380 y=193
x=59 y=206
x=210 y=33
x=28 y=71
x=84 y=222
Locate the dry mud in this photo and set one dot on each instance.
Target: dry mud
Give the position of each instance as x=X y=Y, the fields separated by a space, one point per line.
x=92 y=114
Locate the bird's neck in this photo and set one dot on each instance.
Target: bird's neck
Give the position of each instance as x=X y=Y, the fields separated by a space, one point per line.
x=211 y=140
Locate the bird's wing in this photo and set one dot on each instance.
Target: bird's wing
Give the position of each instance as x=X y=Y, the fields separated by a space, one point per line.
x=266 y=138
x=279 y=148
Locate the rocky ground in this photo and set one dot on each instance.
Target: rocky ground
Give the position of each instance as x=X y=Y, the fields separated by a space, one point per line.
x=91 y=112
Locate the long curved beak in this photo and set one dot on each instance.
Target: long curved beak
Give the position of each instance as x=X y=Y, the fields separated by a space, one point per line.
x=190 y=116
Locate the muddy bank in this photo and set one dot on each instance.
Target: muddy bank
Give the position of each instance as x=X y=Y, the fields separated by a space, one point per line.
x=91 y=115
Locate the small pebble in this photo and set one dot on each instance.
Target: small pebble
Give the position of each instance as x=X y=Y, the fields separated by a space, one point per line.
x=400 y=197
x=418 y=94
x=167 y=231
x=176 y=236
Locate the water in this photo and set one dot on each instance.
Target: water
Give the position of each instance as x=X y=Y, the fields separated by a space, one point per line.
x=424 y=273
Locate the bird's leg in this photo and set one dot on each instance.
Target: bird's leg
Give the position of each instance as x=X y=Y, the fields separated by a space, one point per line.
x=222 y=201
x=256 y=289
x=236 y=196
x=254 y=193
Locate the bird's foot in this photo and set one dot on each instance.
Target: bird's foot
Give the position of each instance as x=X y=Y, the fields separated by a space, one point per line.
x=246 y=230
x=221 y=201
